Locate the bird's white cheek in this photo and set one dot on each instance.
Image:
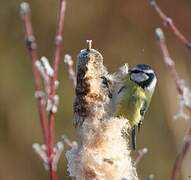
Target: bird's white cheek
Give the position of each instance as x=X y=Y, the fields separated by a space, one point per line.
x=152 y=85
x=139 y=77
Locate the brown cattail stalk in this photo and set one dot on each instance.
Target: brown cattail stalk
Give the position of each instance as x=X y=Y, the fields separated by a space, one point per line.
x=102 y=152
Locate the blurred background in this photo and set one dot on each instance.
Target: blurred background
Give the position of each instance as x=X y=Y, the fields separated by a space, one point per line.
x=123 y=31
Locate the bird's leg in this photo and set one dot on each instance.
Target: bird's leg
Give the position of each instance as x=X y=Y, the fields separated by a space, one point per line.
x=133 y=137
x=139 y=126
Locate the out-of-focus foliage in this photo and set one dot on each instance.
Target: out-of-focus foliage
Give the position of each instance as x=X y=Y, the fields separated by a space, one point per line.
x=123 y=31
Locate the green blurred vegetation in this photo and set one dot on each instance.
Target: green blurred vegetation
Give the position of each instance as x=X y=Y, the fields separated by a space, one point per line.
x=123 y=31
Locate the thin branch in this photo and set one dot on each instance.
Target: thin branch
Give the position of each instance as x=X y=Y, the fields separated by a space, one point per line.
x=57 y=57
x=68 y=142
x=42 y=67
x=58 y=40
x=32 y=48
x=150 y=177
x=169 y=61
x=59 y=147
x=140 y=155
x=167 y=21
x=180 y=84
x=184 y=93
x=70 y=67
x=41 y=153
x=178 y=162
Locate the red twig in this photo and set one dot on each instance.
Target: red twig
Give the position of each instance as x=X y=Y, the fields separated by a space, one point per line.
x=150 y=177
x=32 y=47
x=140 y=155
x=57 y=57
x=181 y=156
x=47 y=123
x=168 y=60
x=167 y=21
x=180 y=87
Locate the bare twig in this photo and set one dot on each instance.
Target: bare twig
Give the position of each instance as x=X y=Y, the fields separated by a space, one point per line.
x=167 y=21
x=150 y=177
x=32 y=47
x=70 y=67
x=180 y=84
x=140 y=155
x=184 y=93
x=58 y=40
x=57 y=56
x=46 y=72
x=67 y=141
x=42 y=153
x=59 y=147
x=50 y=154
x=168 y=60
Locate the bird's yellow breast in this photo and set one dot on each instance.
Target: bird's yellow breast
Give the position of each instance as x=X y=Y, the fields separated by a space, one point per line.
x=131 y=103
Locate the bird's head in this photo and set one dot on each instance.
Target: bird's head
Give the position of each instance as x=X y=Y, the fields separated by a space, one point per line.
x=144 y=76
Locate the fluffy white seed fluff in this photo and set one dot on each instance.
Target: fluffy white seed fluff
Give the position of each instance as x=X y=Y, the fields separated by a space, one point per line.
x=102 y=152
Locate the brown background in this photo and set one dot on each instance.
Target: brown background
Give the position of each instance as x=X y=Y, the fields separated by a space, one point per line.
x=123 y=31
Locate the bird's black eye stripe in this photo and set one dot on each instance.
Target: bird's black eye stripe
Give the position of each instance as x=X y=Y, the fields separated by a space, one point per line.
x=135 y=71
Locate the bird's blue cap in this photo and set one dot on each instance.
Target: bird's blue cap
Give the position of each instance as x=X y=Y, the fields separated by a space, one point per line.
x=143 y=66
x=140 y=68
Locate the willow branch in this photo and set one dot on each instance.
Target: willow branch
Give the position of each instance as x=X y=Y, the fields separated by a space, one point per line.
x=181 y=90
x=56 y=61
x=48 y=153
x=150 y=177
x=32 y=48
x=140 y=155
x=70 y=68
x=167 y=21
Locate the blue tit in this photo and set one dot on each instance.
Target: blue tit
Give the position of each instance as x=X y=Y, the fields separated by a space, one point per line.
x=134 y=96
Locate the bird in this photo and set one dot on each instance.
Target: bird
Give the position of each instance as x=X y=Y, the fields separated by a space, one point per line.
x=133 y=96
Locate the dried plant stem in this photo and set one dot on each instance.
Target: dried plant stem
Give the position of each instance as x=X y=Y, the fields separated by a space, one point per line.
x=102 y=152
x=167 y=21
x=32 y=47
x=180 y=88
